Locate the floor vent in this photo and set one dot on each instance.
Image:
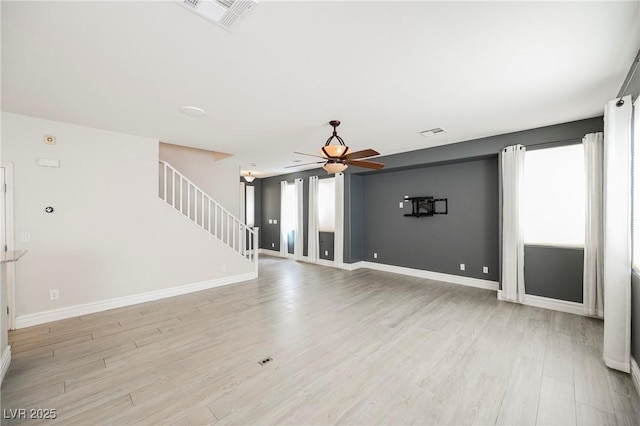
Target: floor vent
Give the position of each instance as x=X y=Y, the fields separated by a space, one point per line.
x=432 y=132
x=265 y=361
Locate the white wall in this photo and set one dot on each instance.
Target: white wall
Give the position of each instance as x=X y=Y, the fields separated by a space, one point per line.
x=110 y=235
x=4 y=341
x=211 y=171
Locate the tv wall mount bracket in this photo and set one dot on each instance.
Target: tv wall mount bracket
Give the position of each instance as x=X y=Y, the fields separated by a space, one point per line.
x=427 y=206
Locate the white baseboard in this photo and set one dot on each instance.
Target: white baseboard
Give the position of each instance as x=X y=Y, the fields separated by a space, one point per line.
x=552 y=304
x=290 y=256
x=4 y=362
x=269 y=252
x=436 y=276
x=119 y=302
x=635 y=375
x=352 y=266
x=617 y=365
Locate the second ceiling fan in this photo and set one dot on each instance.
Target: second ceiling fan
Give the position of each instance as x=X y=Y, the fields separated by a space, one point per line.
x=337 y=157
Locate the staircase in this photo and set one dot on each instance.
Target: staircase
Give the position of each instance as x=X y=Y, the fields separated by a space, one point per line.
x=185 y=196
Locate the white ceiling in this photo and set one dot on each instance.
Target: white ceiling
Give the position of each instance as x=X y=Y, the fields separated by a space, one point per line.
x=386 y=69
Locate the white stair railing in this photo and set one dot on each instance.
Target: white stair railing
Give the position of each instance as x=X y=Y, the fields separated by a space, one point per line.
x=185 y=196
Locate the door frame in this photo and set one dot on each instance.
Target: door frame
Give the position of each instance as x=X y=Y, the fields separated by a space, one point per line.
x=10 y=242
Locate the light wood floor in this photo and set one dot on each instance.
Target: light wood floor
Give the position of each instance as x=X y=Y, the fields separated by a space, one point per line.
x=360 y=347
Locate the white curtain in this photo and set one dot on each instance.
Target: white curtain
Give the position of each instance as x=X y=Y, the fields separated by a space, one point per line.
x=298 y=247
x=284 y=244
x=338 y=248
x=314 y=222
x=593 y=254
x=617 y=235
x=512 y=229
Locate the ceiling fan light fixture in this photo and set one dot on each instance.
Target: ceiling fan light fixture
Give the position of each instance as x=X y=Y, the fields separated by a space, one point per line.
x=333 y=167
x=249 y=177
x=334 y=150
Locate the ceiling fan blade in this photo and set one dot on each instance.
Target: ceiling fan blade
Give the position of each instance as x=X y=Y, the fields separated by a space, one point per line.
x=361 y=154
x=365 y=164
x=310 y=155
x=305 y=164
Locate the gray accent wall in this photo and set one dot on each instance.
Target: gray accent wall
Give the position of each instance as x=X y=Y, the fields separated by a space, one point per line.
x=271 y=209
x=467 y=174
x=354 y=210
x=539 y=270
x=554 y=272
x=326 y=245
x=270 y=203
x=468 y=234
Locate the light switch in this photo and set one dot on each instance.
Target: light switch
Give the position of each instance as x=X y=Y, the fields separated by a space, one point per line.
x=275 y=221
x=25 y=237
x=270 y=221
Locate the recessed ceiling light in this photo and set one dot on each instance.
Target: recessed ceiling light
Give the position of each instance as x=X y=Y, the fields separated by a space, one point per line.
x=192 y=111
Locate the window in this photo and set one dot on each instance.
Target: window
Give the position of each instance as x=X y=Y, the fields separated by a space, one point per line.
x=251 y=206
x=289 y=209
x=554 y=196
x=326 y=205
x=635 y=163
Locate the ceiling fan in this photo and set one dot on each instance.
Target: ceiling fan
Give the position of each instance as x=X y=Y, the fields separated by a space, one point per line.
x=337 y=158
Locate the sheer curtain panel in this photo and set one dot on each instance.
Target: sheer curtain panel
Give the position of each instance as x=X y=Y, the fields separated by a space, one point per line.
x=512 y=229
x=593 y=290
x=617 y=234
x=298 y=247
x=284 y=243
x=338 y=248
x=314 y=246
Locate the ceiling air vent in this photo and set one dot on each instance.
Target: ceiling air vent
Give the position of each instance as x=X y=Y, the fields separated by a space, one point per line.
x=432 y=132
x=225 y=13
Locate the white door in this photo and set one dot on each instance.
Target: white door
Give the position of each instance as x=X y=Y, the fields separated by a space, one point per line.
x=6 y=238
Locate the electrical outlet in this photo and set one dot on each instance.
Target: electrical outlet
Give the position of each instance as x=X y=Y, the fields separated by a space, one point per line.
x=375 y=255
x=275 y=221
x=273 y=245
x=462 y=267
x=485 y=269
x=401 y=204
x=270 y=222
x=54 y=294
x=326 y=252
x=25 y=237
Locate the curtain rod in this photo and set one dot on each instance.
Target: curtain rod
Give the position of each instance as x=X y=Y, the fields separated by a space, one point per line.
x=559 y=141
x=626 y=86
x=578 y=139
